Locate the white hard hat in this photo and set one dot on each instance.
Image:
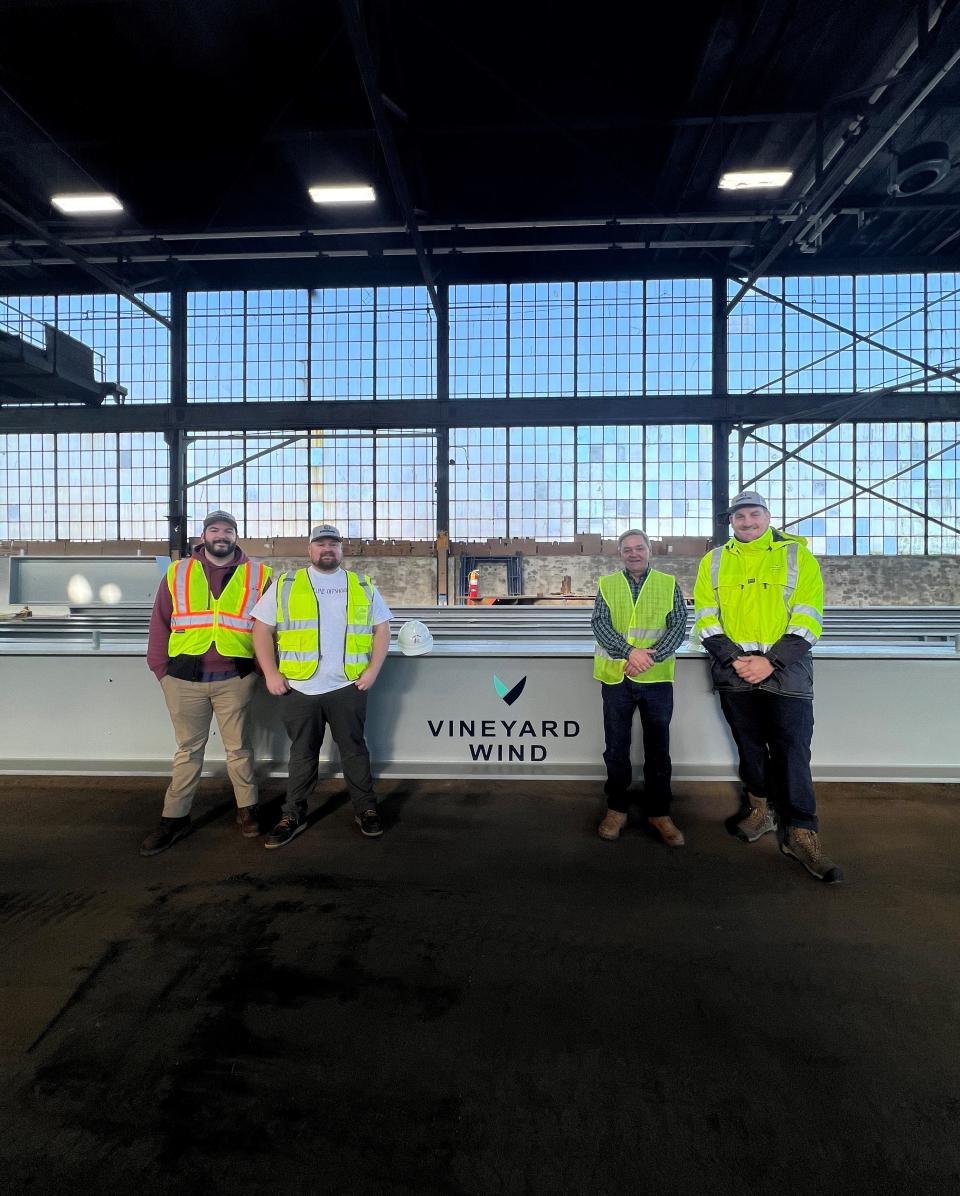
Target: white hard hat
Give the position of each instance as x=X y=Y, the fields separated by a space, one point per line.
x=414 y=638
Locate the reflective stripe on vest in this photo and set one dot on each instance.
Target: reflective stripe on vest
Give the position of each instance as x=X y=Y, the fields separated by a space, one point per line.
x=298 y=626
x=198 y=620
x=752 y=594
x=642 y=623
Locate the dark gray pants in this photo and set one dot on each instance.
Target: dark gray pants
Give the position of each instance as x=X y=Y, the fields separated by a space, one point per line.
x=306 y=718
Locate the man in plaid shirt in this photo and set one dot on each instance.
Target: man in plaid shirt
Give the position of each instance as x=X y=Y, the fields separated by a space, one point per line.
x=639 y=621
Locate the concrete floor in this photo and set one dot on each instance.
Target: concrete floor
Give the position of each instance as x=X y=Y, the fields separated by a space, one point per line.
x=486 y=1000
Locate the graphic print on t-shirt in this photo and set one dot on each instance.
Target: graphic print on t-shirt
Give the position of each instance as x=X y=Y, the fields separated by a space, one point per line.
x=331 y=592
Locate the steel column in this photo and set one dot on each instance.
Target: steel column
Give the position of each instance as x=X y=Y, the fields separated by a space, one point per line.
x=443 y=400
x=177 y=478
x=176 y=437
x=720 y=494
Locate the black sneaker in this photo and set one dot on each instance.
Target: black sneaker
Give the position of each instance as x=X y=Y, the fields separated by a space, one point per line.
x=369 y=823
x=289 y=826
x=166 y=834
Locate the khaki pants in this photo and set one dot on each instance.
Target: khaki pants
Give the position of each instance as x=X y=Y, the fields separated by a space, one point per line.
x=192 y=704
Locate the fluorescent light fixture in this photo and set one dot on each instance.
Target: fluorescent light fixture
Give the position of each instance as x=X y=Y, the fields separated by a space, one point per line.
x=87 y=204
x=350 y=193
x=748 y=180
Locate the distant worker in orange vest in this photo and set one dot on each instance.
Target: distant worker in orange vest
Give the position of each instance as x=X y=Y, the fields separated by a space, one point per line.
x=200 y=649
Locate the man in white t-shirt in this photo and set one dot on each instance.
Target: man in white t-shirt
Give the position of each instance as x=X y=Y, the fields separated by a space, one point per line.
x=321 y=635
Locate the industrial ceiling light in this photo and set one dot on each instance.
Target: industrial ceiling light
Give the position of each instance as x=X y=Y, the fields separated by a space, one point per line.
x=919 y=168
x=750 y=180
x=346 y=193
x=86 y=204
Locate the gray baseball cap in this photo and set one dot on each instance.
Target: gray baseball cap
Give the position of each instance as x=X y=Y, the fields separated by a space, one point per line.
x=747 y=498
x=325 y=531
x=220 y=517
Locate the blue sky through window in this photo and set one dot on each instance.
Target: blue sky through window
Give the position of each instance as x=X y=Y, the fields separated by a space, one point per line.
x=861 y=488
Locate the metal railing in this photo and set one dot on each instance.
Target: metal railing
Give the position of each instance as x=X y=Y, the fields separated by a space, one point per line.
x=99 y=629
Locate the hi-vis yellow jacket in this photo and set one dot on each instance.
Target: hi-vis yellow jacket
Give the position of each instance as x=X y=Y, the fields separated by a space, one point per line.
x=298 y=626
x=767 y=601
x=198 y=620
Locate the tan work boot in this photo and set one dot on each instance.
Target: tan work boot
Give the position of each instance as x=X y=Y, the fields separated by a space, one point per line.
x=247 y=822
x=804 y=845
x=759 y=822
x=613 y=823
x=668 y=831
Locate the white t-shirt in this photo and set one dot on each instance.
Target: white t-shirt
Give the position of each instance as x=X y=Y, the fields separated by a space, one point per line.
x=331 y=592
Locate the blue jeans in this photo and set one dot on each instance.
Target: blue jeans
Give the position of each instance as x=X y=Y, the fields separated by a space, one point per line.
x=773 y=736
x=655 y=703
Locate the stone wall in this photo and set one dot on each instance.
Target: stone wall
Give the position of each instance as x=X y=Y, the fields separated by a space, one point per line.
x=402 y=580
x=848 y=581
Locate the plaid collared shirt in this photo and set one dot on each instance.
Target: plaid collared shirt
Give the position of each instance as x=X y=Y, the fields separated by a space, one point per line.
x=616 y=644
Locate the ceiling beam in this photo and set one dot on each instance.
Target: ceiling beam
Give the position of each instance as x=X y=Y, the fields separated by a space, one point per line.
x=74 y=257
x=913 y=85
x=467 y=413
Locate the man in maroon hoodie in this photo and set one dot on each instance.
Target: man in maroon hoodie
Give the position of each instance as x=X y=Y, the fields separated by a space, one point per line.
x=201 y=650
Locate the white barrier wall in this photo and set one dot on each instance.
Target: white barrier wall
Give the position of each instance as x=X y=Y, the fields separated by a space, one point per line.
x=881 y=715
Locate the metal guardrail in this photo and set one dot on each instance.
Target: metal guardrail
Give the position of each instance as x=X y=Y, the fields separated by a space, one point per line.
x=99 y=629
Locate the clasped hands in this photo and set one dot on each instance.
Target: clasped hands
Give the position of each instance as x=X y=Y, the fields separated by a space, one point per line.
x=752 y=669
x=639 y=661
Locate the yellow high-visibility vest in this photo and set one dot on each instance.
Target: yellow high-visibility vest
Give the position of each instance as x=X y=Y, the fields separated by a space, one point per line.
x=199 y=620
x=642 y=623
x=298 y=626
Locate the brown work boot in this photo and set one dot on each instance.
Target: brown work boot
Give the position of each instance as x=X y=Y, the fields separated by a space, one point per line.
x=668 y=831
x=613 y=823
x=166 y=834
x=804 y=845
x=247 y=822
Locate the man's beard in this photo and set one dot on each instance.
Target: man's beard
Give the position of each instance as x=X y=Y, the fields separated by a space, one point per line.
x=220 y=548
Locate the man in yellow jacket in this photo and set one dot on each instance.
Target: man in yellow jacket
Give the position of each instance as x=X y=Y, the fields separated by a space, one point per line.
x=321 y=635
x=200 y=649
x=639 y=621
x=759 y=611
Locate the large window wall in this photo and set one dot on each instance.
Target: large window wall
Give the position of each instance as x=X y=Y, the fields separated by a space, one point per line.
x=371 y=485
x=587 y=339
x=859 y=489
x=553 y=483
x=129 y=346
x=848 y=333
x=851 y=487
x=84 y=486
x=282 y=346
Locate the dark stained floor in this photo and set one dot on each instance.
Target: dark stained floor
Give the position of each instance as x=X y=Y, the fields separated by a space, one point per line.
x=486 y=1000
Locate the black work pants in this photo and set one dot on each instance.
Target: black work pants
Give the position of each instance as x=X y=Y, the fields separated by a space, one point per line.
x=773 y=736
x=306 y=718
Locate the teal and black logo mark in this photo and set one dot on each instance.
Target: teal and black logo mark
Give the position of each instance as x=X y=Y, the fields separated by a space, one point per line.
x=508 y=695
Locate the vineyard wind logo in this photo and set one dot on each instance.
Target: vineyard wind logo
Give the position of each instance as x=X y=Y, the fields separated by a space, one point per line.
x=508 y=695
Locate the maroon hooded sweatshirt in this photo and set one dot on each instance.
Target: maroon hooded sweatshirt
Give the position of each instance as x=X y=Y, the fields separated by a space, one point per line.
x=211 y=666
